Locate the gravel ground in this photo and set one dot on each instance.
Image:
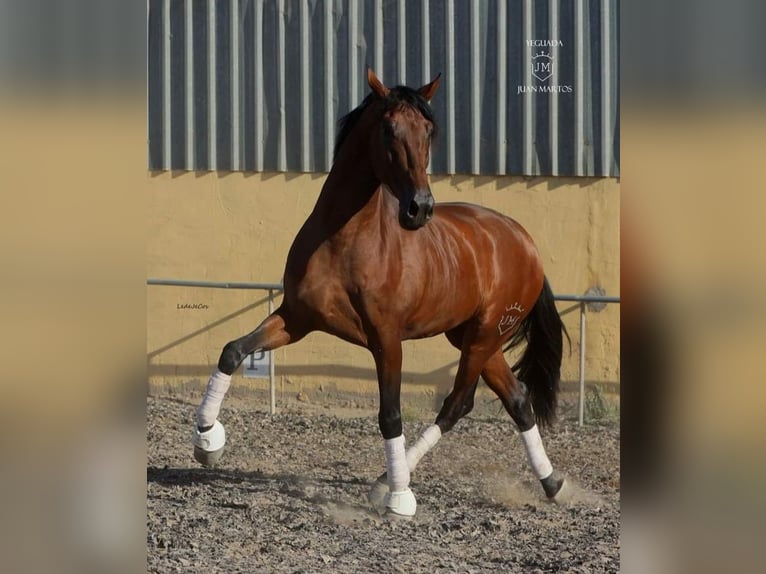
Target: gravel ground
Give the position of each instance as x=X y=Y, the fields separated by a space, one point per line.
x=289 y=495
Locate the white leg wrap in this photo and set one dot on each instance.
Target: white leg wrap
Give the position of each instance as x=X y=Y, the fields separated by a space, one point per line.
x=536 y=456
x=208 y=410
x=399 y=500
x=425 y=442
x=396 y=464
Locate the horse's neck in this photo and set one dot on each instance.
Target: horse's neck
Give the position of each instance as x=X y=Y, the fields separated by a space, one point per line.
x=350 y=188
x=352 y=196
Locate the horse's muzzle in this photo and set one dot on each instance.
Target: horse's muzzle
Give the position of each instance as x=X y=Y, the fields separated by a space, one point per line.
x=417 y=211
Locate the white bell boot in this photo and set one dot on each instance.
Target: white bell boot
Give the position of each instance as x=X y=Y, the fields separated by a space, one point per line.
x=401 y=503
x=208 y=445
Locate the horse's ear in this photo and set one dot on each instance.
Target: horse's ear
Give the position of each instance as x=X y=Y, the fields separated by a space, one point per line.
x=429 y=90
x=376 y=85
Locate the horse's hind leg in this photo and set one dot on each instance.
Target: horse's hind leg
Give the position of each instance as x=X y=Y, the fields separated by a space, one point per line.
x=209 y=435
x=513 y=394
x=457 y=404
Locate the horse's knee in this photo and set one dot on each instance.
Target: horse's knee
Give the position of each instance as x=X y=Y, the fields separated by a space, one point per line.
x=231 y=358
x=390 y=423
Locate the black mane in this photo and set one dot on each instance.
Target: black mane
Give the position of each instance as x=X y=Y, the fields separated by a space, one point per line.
x=397 y=95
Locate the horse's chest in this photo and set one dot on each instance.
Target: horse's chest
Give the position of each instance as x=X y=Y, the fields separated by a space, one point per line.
x=322 y=295
x=334 y=285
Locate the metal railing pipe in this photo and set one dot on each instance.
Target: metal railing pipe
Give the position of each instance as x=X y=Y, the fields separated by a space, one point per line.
x=214 y=284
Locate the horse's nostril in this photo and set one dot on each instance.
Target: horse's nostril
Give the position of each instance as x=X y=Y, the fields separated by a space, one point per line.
x=412 y=209
x=429 y=211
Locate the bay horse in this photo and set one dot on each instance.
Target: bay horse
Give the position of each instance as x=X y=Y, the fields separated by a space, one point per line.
x=377 y=263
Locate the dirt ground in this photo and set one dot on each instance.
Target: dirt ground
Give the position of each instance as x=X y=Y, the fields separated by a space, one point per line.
x=289 y=495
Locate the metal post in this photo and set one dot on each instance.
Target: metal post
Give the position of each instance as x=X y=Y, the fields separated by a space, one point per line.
x=581 y=412
x=272 y=378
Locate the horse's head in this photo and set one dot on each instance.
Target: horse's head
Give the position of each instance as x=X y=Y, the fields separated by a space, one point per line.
x=400 y=147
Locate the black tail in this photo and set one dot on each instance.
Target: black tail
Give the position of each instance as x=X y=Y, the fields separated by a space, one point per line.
x=539 y=368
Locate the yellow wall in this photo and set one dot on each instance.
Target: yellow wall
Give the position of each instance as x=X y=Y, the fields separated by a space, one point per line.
x=239 y=227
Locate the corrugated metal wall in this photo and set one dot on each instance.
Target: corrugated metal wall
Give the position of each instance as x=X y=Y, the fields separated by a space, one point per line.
x=260 y=84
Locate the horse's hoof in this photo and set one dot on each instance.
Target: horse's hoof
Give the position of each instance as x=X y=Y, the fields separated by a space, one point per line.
x=401 y=504
x=377 y=497
x=565 y=494
x=552 y=487
x=208 y=445
x=207 y=458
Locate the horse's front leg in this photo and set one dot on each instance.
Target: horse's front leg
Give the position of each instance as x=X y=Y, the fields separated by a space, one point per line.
x=397 y=498
x=209 y=435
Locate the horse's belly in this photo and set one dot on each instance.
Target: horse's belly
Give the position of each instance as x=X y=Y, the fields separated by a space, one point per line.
x=418 y=328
